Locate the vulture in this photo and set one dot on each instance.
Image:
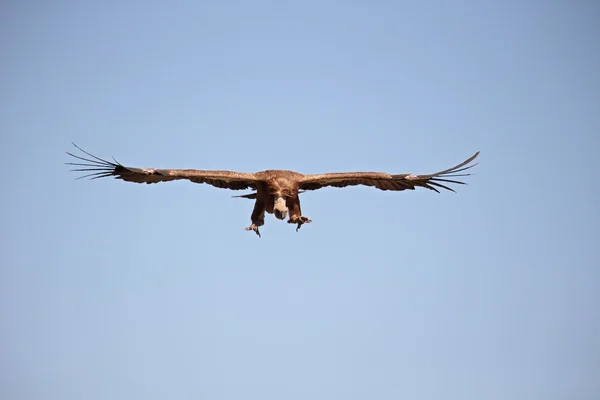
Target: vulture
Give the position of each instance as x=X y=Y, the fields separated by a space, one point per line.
x=275 y=191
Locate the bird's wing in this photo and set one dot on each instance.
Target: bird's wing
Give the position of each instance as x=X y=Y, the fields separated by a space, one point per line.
x=385 y=181
x=98 y=168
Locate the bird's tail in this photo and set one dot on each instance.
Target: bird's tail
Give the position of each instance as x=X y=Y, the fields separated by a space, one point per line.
x=247 y=196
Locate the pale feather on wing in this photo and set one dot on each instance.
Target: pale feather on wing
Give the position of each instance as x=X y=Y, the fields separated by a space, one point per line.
x=98 y=168
x=385 y=181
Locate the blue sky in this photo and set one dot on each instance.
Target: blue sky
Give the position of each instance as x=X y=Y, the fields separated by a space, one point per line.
x=115 y=290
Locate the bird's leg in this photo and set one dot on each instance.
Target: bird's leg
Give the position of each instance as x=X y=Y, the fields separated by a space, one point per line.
x=296 y=216
x=258 y=217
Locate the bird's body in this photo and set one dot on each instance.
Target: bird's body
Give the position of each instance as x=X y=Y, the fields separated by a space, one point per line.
x=276 y=191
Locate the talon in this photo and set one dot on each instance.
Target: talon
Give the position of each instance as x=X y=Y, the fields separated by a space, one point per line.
x=300 y=221
x=254 y=228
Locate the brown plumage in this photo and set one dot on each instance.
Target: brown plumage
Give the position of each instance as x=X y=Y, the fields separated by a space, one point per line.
x=276 y=191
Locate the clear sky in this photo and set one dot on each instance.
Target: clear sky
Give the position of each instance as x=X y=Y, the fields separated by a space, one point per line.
x=112 y=290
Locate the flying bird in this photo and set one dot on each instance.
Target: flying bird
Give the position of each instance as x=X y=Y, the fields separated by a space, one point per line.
x=276 y=191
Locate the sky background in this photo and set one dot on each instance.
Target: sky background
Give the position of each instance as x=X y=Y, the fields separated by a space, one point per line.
x=111 y=290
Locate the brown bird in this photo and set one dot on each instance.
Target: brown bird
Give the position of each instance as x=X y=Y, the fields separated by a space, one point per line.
x=277 y=191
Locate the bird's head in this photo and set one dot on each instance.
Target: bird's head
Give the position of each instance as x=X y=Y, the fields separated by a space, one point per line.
x=280 y=209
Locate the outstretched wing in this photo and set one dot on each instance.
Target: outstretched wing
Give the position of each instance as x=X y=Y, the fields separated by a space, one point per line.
x=98 y=168
x=385 y=181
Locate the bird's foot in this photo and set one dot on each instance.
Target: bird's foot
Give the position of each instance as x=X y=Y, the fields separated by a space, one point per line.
x=300 y=221
x=254 y=228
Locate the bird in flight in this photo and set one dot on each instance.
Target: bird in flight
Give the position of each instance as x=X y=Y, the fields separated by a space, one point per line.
x=276 y=191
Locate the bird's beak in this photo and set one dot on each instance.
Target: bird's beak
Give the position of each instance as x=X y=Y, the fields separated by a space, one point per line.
x=280 y=209
x=280 y=214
